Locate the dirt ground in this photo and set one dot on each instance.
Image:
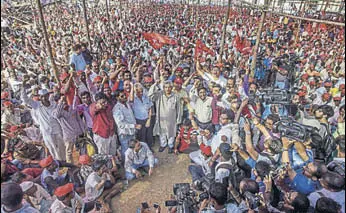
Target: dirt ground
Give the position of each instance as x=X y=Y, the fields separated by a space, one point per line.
x=155 y=189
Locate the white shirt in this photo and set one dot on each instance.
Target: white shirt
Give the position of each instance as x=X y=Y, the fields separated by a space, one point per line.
x=90 y=187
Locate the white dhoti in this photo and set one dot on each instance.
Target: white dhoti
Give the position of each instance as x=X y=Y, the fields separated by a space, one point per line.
x=56 y=146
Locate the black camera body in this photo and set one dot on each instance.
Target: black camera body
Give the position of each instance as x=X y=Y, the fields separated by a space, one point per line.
x=254 y=201
x=271 y=96
x=185 y=198
x=291 y=129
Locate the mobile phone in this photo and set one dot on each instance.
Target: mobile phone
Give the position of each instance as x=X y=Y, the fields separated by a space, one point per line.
x=156 y=205
x=145 y=205
x=171 y=203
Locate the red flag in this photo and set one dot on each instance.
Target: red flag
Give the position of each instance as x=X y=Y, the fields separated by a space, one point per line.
x=201 y=47
x=323 y=27
x=157 y=40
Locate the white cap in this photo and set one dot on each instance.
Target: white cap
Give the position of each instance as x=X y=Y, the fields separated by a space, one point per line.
x=26 y=185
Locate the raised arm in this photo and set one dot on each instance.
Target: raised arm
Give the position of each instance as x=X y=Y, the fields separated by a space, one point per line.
x=248 y=142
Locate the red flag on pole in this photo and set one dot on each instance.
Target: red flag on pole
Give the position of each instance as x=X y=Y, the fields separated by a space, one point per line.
x=157 y=40
x=201 y=47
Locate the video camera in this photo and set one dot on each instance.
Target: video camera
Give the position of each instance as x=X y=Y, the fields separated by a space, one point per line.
x=186 y=201
x=271 y=96
x=290 y=128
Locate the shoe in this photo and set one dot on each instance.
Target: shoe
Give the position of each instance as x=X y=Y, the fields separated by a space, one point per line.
x=162 y=149
x=170 y=150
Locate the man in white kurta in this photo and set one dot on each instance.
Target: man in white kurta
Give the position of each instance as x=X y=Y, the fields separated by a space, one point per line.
x=169 y=114
x=49 y=126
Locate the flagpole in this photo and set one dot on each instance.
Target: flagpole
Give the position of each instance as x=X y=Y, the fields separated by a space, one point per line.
x=224 y=31
x=259 y=32
x=49 y=48
x=87 y=24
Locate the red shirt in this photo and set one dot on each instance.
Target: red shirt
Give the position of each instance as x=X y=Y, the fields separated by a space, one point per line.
x=69 y=94
x=103 y=122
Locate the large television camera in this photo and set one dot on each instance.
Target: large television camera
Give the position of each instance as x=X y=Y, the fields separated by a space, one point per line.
x=271 y=96
x=186 y=198
x=287 y=127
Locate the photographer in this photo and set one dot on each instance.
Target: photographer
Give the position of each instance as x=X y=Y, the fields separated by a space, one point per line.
x=217 y=202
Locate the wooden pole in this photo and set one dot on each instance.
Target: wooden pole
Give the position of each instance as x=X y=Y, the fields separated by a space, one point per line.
x=49 y=48
x=224 y=30
x=299 y=23
x=87 y=24
x=258 y=39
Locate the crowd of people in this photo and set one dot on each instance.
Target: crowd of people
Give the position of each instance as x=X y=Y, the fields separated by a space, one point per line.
x=71 y=142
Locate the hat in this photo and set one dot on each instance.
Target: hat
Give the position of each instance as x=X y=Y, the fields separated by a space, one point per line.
x=4 y=95
x=301 y=93
x=13 y=128
x=7 y=103
x=178 y=81
x=225 y=150
x=338 y=98
x=63 y=76
x=312 y=83
x=328 y=84
x=43 y=92
x=304 y=88
x=179 y=69
x=46 y=161
x=305 y=76
x=342 y=86
x=147 y=79
x=26 y=185
x=84 y=159
x=63 y=190
x=97 y=78
x=205 y=149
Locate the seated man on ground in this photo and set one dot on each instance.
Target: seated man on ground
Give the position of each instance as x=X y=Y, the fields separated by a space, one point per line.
x=137 y=156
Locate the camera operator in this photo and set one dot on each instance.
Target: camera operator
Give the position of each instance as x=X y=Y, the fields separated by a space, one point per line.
x=217 y=202
x=281 y=67
x=199 y=171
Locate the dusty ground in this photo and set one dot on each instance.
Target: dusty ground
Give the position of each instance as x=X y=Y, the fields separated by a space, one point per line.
x=157 y=188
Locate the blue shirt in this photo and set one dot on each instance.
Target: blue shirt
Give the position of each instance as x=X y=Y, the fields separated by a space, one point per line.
x=141 y=107
x=296 y=161
x=252 y=163
x=78 y=61
x=304 y=185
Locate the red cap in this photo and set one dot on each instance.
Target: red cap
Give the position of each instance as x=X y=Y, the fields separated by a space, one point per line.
x=7 y=103
x=328 y=84
x=84 y=159
x=305 y=76
x=105 y=85
x=63 y=190
x=46 y=162
x=178 y=81
x=312 y=83
x=148 y=79
x=342 y=86
x=97 y=78
x=337 y=98
x=304 y=88
x=205 y=149
x=179 y=69
x=63 y=76
x=4 y=95
x=13 y=128
x=301 y=93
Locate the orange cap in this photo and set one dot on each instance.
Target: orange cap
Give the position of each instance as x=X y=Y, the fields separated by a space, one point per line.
x=46 y=161
x=63 y=190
